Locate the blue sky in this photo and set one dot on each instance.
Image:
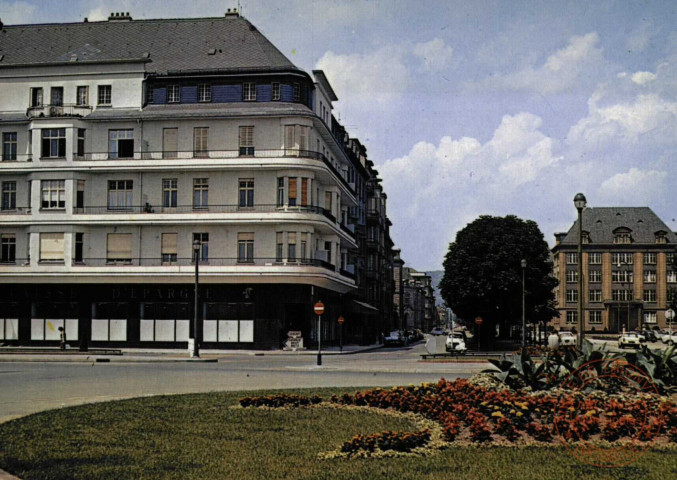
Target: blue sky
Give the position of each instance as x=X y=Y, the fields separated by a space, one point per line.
x=476 y=107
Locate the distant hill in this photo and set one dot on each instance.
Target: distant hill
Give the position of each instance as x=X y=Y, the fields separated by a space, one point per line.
x=437 y=277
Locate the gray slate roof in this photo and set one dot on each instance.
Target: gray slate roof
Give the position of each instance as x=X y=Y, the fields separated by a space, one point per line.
x=173 y=44
x=600 y=222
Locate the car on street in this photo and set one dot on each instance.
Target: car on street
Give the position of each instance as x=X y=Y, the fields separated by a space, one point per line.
x=664 y=335
x=650 y=335
x=629 y=339
x=437 y=331
x=640 y=335
x=566 y=339
x=456 y=343
x=671 y=338
x=395 y=339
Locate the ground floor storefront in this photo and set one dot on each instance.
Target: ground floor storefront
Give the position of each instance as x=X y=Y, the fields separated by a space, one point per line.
x=161 y=316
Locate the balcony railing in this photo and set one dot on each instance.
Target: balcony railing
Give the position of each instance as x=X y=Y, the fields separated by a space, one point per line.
x=15 y=211
x=19 y=262
x=217 y=154
x=153 y=209
x=217 y=262
x=70 y=110
x=15 y=157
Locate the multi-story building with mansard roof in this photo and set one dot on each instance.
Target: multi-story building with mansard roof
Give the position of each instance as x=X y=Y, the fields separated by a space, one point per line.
x=126 y=141
x=628 y=258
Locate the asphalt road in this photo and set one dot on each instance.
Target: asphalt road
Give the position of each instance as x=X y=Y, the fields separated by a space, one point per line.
x=32 y=387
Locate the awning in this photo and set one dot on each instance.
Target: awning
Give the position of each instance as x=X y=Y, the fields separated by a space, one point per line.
x=366 y=305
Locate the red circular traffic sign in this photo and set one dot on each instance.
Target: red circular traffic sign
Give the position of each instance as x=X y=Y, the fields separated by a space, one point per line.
x=341 y=320
x=319 y=308
x=478 y=320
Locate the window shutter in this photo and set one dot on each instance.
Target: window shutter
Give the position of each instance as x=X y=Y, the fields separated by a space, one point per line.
x=245 y=236
x=169 y=241
x=292 y=188
x=119 y=246
x=51 y=246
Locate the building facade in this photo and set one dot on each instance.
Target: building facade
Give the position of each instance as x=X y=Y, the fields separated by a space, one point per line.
x=118 y=160
x=418 y=301
x=627 y=265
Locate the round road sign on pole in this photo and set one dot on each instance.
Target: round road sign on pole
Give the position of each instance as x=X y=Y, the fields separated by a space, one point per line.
x=319 y=308
x=478 y=320
x=670 y=314
x=341 y=320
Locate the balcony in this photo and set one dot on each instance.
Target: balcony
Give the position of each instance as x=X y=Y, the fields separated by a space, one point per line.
x=15 y=211
x=52 y=111
x=218 y=155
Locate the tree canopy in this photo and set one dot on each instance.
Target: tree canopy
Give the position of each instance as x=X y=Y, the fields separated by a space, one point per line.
x=483 y=272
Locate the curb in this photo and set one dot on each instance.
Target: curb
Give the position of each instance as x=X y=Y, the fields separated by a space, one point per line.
x=56 y=359
x=6 y=476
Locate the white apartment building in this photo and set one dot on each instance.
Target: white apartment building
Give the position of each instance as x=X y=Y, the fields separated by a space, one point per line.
x=126 y=141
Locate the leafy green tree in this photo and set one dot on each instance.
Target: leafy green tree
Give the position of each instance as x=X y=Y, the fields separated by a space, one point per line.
x=483 y=274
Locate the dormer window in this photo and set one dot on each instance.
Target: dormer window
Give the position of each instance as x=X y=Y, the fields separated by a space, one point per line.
x=585 y=237
x=249 y=92
x=204 y=92
x=276 y=91
x=622 y=235
x=297 y=92
x=661 y=237
x=173 y=94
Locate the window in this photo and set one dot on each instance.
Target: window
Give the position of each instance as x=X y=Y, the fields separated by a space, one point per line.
x=200 y=192
x=650 y=296
x=649 y=276
x=121 y=143
x=670 y=258
x=82 y=97
x=51 y=247
x=292 y=192
x=79 y=247
x=173 y=94
x=280 y=191
x=246 y=192
x=9 y=146
x=621 y=258
x=304 y=250
x=279 y=246
x=53 y=194
x=204 y=92
x=595 y=258
x=595 y=296
x=291 y=247
x=672 y=277
x=169 y=248
x=585 y=237
x=247 y=141
x=8 y=196
x=276 y=91
x=595 y=276
x=245 y=248
x=56 y=95
x=572 y=258
x=304 y=192
x=621 y=276
x=53 y=142
x=170 y=192
x=572 y=275
x=36 y=97
x=200 y=141
x=623 y=237
x=572 y=316
x=120 y=194
x=249 y=92
x=572 y=295
x=80 y=195
x=8 y=247
x=119 y=248
x=595 y=317
x=150 y=94
x=649 y=317
x=170 y=142
x=327 y=201
x=105 y=94
x=649 y=259
x=661 y=237
x=203 y=238
x=80 y=151
x=621 y=295
x=297 y=92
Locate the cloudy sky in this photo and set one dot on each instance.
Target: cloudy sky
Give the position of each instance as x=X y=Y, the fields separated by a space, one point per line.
x=476 y=107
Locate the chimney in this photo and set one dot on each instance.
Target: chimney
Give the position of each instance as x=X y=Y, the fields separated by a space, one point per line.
x=232 y=13
x=119 y=17
x=1 y=24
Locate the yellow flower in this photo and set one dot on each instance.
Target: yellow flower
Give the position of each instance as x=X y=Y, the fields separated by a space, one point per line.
x=497 y=414
x=512 y=411
x=590 y=413
x=519 y=414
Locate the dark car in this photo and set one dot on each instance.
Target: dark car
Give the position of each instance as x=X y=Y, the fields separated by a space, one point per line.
x=649 y=335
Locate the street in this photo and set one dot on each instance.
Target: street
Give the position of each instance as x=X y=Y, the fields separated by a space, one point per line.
x=32 y=387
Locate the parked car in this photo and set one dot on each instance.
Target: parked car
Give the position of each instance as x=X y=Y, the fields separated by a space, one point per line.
x=566 y=339
x=395 y=339
x=664 y=335
x=456 y=343
x=629 y=339
x=650 y=335
x=437 y=331
x=642 y=337
x=672 y=338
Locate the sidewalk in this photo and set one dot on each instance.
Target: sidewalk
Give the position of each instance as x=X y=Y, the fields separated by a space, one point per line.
x=54 y=354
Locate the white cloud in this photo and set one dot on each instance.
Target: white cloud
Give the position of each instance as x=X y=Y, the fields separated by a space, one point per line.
x=640 y=78
x=633 y=185
x=435 y=54
x=15 y=13
x=561 y=70
x=375 y=76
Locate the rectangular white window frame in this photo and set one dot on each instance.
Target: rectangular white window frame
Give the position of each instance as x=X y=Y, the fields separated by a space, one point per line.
x=649 y=276
x=53 y=143
x=572 y=258
x=200 y=193
x=276 y=91
x=169 y=248
x=8 y=248
x=9 y=146
x=595 y=317
x=595 y=258
x=82 y=97
x=204 y=93
x=53 y=194
x=246 y=140
x=595 y=276
x=119 y=248
x=201 y=142
x=572 y=275
x=649 y=296
x=571 y=295
x=105 y=95
x=245 y=247
x=8 y=196
x=246 y=193
x=120 y=194
x=621 y=276
x=624 y=258
x=170 y=192
x=173 y=93
x=203 y=238
x=595 y=296
x=571 y=317
x=672 y=277
x=121 y=143
x=650 y=258
x=249 y=92
x=650 y=317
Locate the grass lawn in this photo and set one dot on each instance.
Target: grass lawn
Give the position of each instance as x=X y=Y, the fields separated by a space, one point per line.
x=200 y=437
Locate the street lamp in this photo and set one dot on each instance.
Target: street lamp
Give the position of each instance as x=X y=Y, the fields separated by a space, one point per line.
x=196 y=252
x=670 y=314
x=524 y=321
x=579 y=203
